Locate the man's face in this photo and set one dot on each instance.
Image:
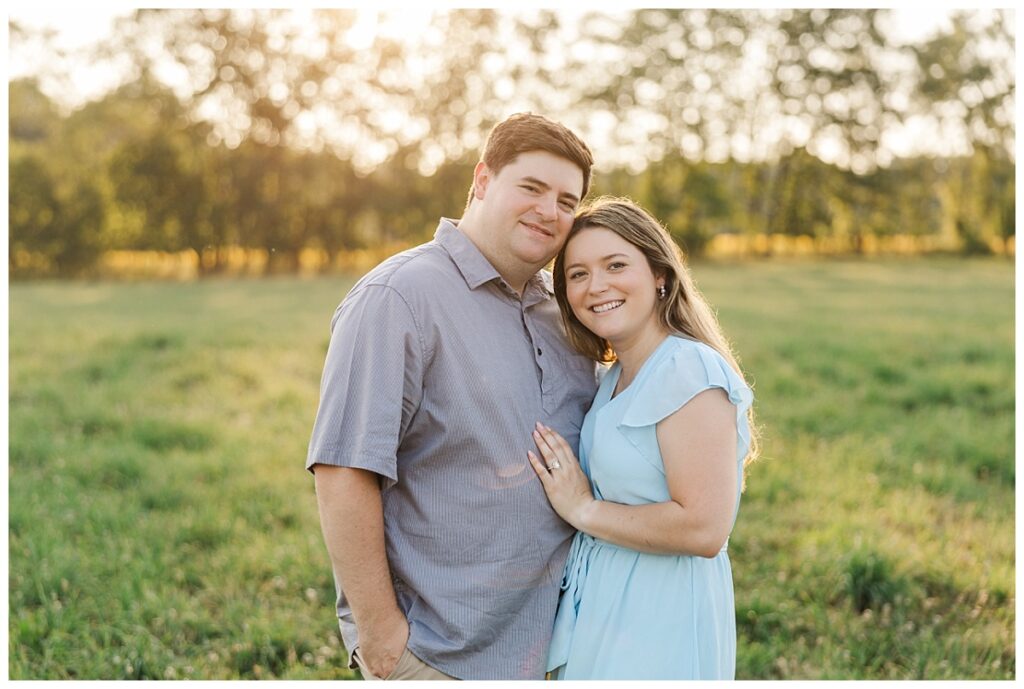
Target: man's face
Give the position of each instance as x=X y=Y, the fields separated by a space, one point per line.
x=528 y=206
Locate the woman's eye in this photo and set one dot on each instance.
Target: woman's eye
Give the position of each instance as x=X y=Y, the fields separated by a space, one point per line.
x=578 y=274
x=616 y=265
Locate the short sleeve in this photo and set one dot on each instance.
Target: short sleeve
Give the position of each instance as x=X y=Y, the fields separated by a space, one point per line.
x=372 y=383
x=688 y=370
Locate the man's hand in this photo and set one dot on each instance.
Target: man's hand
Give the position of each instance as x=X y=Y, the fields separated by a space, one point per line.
x=381 y=645
x=352 y=519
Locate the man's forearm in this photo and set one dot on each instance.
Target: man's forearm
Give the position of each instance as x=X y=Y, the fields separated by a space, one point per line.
x=352 y=519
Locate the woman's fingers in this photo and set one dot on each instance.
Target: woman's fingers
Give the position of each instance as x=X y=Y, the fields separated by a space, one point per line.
x=556 y=443
x=545 y=448
x=561 y=443
x=538 y=466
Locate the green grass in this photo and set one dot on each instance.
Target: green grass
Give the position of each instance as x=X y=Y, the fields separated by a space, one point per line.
x=162 y=524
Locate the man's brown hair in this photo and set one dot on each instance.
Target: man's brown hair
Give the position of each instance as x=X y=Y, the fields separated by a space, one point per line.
x=525 y=132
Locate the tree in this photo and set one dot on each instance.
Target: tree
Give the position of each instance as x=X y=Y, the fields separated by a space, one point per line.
x=33 y=118
x=703 y=203
x=50 y=234
x=966 y=79
x=155 y=177
x=33 y=215
x=80 y=229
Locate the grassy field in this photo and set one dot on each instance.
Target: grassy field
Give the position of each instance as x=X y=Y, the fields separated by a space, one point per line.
x=162 y=524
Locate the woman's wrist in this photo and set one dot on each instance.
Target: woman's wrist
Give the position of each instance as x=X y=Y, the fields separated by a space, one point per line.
x=583 y=516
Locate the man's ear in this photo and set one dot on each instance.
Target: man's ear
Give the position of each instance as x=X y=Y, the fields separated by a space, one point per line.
x=481 y=178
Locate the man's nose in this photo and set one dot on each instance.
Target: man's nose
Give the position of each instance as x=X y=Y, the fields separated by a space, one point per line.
x=547 y=207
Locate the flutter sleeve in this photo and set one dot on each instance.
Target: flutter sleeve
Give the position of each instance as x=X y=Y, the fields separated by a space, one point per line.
x=688 y=370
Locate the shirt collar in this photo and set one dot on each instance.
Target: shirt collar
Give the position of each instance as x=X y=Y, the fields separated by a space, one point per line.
x=474 y=266
x=539 y=288
x=476 y=269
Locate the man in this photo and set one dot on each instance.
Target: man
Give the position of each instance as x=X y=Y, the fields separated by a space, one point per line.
x=446 y=553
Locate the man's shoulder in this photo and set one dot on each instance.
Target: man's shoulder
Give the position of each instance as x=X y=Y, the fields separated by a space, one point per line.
x=411 y=271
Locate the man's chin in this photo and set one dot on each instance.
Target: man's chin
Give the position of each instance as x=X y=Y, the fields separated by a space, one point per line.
x=539 y=252
x=543 y=261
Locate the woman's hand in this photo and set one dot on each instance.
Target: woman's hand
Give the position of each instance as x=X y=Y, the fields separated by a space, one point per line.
x=566 y=485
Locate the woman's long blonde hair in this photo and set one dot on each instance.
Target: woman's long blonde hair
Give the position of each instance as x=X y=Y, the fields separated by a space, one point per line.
x=683 y=311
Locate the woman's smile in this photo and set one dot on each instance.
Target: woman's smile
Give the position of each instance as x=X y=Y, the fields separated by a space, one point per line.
x=610 y=285
x=607 y=306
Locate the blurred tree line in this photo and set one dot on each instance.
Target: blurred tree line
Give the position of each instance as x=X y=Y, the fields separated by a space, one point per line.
x=282 y=131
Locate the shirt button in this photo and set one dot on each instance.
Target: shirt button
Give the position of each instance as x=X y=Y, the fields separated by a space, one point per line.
x=539 y=352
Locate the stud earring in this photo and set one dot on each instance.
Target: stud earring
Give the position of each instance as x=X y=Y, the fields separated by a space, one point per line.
x=662 y=292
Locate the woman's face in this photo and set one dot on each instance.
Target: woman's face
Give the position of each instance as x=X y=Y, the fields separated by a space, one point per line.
x=610 y=285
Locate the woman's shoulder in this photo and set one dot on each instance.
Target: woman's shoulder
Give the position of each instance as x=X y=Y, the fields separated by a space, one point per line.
x=684 y=346
x=687 y=354
x=685 y=368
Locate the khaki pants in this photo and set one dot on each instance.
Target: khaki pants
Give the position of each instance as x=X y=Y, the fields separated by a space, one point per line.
x=408 y=667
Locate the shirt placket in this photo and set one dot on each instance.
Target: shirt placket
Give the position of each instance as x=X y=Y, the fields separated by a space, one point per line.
x=543 y=356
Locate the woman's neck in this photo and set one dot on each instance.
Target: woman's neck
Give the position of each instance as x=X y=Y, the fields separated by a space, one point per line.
x=633 y=352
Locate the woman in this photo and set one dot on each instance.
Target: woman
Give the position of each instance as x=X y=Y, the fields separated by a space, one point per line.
x=647 y=590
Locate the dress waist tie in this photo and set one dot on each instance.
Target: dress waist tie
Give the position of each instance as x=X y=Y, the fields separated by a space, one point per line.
x=575 y=572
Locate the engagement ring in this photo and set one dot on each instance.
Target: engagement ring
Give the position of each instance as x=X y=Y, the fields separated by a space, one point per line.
x=555 y=465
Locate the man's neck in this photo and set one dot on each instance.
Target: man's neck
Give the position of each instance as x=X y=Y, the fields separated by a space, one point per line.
x=515 y=275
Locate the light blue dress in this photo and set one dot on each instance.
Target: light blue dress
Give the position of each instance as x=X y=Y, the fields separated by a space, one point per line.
x=624 y=614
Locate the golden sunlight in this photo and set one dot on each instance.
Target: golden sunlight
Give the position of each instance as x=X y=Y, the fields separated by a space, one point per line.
x=404 y=25
x=364 y=31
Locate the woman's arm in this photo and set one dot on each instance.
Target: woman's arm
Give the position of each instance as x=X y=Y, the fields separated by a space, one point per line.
x=698 y=447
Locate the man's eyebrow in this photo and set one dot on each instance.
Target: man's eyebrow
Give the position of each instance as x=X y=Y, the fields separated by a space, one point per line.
x=545 y=185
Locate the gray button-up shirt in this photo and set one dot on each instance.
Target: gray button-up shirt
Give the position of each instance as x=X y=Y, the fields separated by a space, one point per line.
x=435 y=376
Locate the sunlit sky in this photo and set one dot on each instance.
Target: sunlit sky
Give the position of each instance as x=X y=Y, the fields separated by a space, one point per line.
x=79 y=26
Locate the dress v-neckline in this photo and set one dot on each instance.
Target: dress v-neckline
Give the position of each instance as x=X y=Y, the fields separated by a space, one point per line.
x=612 y=396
